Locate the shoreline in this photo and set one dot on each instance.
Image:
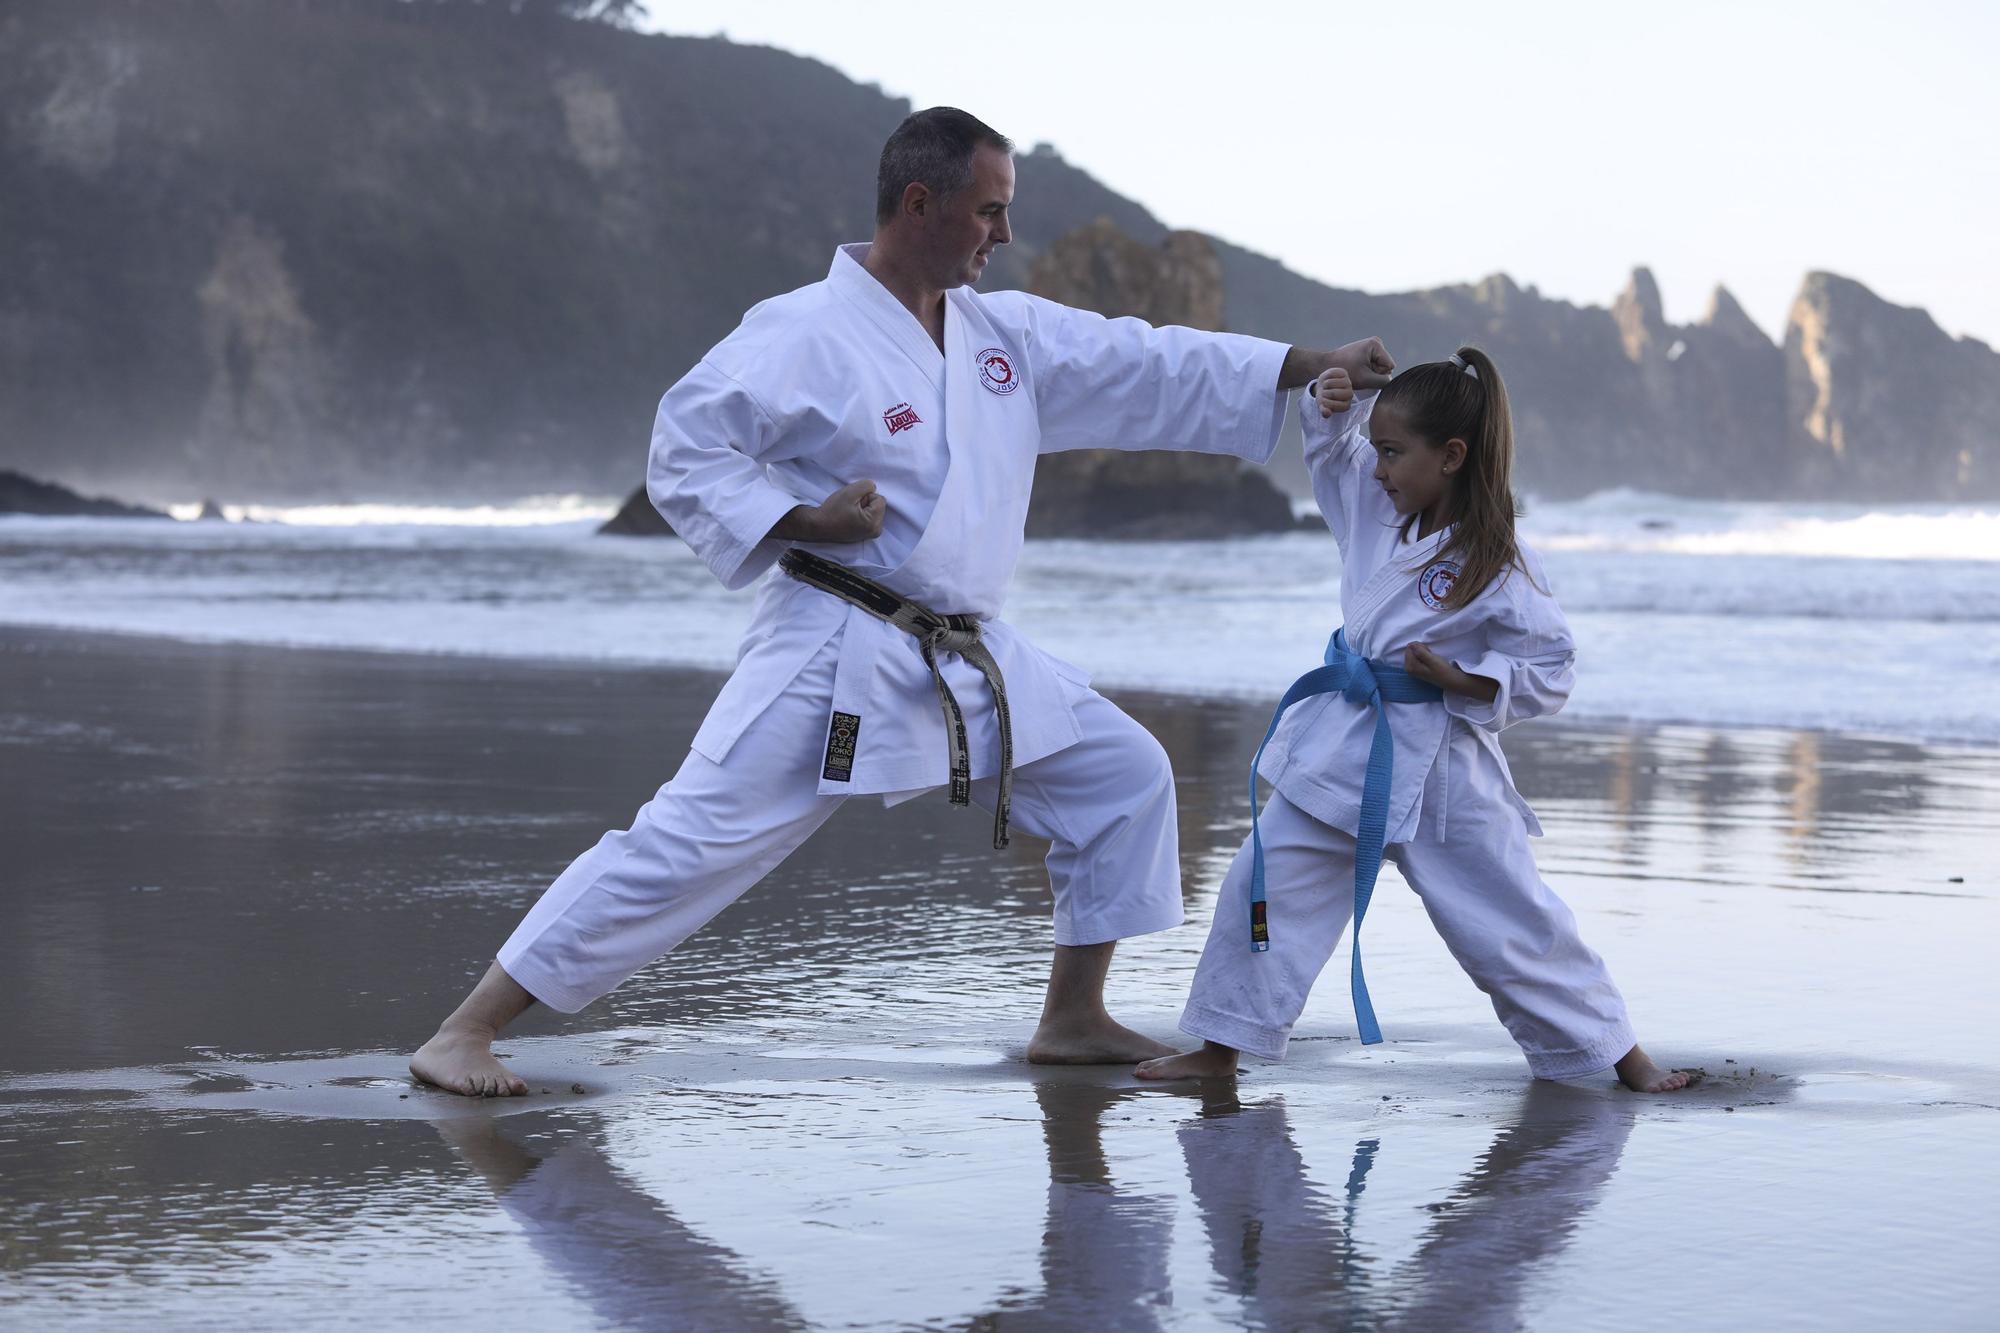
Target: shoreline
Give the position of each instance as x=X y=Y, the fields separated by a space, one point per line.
x=20 y=630
x=156 y=787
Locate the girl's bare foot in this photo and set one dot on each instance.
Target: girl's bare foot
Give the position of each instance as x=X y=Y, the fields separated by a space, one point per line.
x=1102 y=1040
x=1638 y=1072
x=1213 y=1060
x=461 y=1060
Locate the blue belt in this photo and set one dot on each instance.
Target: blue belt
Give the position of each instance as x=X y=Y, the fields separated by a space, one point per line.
x=1365 y=682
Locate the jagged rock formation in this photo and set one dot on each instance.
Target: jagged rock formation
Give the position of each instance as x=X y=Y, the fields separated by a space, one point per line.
x=1114 y=493
x=370 y=248
x=1884 y=402
x=25 y=495
x=1865 y=401
x=637 y=518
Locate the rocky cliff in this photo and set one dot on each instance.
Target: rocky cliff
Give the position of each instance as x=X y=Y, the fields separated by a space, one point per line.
x=26 y=495
x=283 y=249
x=1883 y=402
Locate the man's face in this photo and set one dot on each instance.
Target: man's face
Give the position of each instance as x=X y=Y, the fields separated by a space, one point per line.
x=959 y=235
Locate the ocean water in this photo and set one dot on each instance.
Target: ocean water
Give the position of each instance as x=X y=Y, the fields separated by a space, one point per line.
x=1876 y=620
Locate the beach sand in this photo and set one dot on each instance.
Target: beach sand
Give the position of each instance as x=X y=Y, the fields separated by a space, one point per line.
x=238 y=885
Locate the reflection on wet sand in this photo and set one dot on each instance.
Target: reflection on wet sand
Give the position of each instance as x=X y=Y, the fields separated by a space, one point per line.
x=1289 y=1251
x=1642 y=776
x=1748 y=809
x=1293 y=1253
x=1105 y=1247
x=621 y=1251
x=1276 y=1240
x=1514 y=1212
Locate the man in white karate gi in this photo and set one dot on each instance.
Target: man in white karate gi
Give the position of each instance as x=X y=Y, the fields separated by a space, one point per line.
x=887 y=421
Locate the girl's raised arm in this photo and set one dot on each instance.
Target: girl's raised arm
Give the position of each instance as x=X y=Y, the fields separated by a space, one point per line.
x=1339 y=458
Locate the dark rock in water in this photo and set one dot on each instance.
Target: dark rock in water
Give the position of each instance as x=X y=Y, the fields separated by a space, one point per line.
x=638 y=518
x=25 y=495
x=1101 y=493
x=212 y=511
x=1108 y=493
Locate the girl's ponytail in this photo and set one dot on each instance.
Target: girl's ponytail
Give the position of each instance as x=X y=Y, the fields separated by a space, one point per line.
x=1464 y=398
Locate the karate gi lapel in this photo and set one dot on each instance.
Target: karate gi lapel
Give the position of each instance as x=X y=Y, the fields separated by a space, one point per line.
x=863 y=637
x=972 y=540
x=873 y=301
x=1406 y=560
x=927 y=573
x=969 y=549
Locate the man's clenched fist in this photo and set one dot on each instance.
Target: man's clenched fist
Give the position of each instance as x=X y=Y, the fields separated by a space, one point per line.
x=1367 y=363
x=854 y=513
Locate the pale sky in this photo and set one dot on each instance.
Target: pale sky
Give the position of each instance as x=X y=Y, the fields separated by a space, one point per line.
x=1396 y=146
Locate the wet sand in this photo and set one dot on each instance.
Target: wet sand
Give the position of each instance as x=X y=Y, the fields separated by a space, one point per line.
x=238 y=884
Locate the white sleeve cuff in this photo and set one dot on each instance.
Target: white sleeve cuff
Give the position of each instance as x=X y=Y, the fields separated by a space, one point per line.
x=1489 y=715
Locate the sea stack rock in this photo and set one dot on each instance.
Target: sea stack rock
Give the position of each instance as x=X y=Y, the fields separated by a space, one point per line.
x=637 y=518
x=1725 y=408
x=1884 y=402
x=1152 y=495
x=1642 y=324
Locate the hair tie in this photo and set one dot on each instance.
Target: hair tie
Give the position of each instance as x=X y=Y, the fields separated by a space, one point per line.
x=1459 y=361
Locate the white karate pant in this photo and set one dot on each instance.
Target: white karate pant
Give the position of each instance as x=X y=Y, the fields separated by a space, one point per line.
x=1105 y=804
x=1505 y=926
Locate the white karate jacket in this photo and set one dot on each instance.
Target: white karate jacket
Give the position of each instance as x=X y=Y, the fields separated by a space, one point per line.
x=1446 y=753
x=836 y=382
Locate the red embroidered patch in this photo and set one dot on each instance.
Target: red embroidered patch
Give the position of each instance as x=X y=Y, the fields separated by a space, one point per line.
x=1434 y=584
x=996 y=372
x=901 y=417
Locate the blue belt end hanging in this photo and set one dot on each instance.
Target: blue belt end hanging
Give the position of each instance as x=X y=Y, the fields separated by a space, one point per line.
x=1260 y=929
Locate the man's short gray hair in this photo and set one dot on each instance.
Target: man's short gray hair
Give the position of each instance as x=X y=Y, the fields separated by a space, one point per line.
x=934 y=148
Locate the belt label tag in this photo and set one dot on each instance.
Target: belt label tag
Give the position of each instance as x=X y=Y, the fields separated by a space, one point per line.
x=841 y=737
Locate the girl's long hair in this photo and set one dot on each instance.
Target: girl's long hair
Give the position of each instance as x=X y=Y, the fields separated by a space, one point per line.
x=1442 y=401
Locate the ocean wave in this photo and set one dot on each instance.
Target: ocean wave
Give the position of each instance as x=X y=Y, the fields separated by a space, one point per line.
x=1635 y=521
x=530 y=511
x=1903 y=644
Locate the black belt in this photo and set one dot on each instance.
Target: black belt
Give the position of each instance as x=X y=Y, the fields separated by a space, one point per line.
x=934 y=633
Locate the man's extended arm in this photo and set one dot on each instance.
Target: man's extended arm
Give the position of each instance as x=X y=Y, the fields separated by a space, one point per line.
x=1367 y=363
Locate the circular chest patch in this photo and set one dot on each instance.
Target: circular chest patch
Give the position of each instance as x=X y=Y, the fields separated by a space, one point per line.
x=1434 y=584
x=996 y=371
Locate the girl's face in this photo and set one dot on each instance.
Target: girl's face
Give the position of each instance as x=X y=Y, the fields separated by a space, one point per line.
x=1417 y=474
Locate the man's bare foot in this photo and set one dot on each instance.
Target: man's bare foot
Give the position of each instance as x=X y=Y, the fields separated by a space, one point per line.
x=1638 y=1072
x=1213 y=1060
x=1100 y=1041
x=461 y=1060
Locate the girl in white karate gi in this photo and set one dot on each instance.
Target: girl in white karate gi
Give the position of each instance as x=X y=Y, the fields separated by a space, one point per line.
x=1416 y=483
